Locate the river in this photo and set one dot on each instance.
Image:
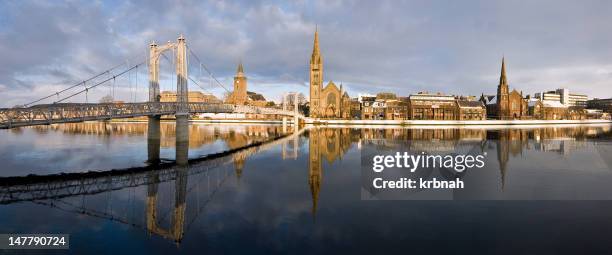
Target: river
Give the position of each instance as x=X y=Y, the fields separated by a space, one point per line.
x=544 y=189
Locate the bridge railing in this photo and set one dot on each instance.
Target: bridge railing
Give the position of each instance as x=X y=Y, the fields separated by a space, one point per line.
x=264 y=110
x=69 y=112
x=64 y=113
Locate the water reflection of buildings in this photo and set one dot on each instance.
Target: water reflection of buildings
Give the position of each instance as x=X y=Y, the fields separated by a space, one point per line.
x=97 y=128
x=331 y=143
x=199 y=135
x=510 y=143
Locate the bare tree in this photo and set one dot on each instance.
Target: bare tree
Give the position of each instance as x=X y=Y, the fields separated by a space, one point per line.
x=301 y=98
x=291 y=99
x=107 y=99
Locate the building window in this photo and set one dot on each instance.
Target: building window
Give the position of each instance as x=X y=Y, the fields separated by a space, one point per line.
x=331 y=99
x=418 y=114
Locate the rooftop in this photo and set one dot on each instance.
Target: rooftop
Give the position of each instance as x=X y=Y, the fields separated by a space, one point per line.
x=469 y=104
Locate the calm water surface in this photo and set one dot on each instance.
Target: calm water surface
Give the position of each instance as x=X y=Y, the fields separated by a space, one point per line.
x=302 y=194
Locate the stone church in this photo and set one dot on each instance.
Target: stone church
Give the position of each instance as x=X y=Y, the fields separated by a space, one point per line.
x=328 y=102
x=505 y=105
x=239 y=95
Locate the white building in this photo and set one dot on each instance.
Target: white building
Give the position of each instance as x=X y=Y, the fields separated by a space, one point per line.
x=564 y=97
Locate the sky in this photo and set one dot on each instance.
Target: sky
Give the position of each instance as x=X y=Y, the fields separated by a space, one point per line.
x=452 y=47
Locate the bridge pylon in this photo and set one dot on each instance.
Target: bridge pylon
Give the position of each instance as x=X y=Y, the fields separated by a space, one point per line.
x=155 y=52
x=182 y=95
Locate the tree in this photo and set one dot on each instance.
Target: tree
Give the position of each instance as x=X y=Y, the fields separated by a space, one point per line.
x=107 y=99
x=291 y=99
x=304 y=109
x=301 y=99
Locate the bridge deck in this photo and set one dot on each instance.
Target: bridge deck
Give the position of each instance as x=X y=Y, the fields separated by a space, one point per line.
x=70 y=113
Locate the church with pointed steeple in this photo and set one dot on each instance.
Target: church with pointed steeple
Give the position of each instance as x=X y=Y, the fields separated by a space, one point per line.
x=330 y=101
x=239 y=95
x=505 y=105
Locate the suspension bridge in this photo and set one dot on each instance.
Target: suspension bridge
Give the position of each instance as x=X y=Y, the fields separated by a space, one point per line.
x=63 y=106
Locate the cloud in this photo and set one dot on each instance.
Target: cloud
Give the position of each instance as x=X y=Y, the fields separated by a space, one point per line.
x=369 y=46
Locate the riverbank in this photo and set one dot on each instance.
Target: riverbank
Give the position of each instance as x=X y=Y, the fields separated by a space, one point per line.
x=389 y=122
x=450 y=122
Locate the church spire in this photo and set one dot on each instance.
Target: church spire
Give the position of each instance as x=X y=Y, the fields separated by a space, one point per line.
x=502 y=78
x=240 y=70
x=316 y=77
x=315 y=48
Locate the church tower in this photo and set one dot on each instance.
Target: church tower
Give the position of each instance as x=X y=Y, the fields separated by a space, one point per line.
x=239 y=96
x=316 y=78
x=503 y=100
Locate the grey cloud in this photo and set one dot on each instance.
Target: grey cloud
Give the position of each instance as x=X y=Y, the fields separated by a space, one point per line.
x=403 y=46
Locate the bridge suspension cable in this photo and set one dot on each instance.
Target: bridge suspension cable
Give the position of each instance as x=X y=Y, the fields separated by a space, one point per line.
x=174 y=81
x=206 y=68
x=99 y=83
x=196 y=83
x=75 y=85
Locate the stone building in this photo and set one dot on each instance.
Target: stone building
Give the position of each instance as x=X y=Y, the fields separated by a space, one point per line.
x=355 y=109
x=421 y=106
x=335 y=104
x=555 y=110
x=372 y=108
x=425 y=106
x=576 y=113
x=330 y=101
x=471 y=110
x=505 y=105
x=256 y=99
x=192 y=97
x=396 y=109
x=239 y=95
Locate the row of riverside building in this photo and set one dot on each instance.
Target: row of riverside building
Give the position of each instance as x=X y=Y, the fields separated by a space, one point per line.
x=334 y=103
x=420 y=106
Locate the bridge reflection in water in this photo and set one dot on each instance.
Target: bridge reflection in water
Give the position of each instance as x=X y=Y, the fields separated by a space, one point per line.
x=176 y=194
